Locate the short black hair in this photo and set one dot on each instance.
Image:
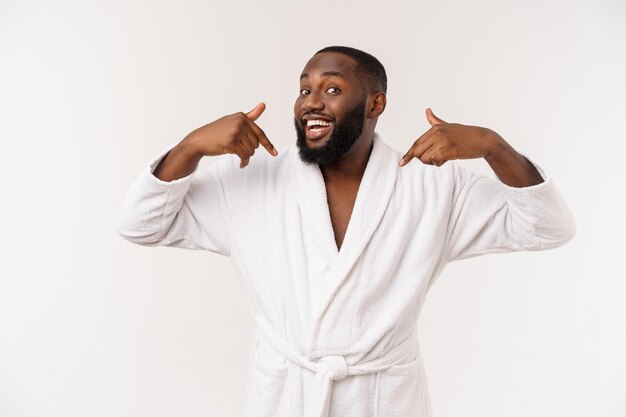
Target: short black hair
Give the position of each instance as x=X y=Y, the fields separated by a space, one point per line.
x=367 y=65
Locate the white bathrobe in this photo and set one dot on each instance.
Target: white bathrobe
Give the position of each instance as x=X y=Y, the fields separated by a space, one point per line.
x=337 y=329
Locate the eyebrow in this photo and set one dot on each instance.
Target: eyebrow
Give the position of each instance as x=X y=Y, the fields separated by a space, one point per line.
x=325 y=74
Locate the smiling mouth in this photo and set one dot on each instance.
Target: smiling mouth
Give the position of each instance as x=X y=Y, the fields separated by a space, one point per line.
x=317 y=132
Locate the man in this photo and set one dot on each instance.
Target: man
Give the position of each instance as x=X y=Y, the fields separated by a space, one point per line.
x=336 y=240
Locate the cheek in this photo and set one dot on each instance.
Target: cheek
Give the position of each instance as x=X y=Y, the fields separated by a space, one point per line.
x=296 y=107
x=339 y=106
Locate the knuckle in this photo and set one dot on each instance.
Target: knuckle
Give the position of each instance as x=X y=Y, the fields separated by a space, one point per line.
x=246 y=152
x=232 y=141
x=234 y=131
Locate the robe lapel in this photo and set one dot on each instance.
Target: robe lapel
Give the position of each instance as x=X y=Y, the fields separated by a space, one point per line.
x=307 y=183
x=373 y=196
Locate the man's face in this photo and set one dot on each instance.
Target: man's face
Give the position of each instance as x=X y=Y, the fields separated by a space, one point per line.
x=330 y=92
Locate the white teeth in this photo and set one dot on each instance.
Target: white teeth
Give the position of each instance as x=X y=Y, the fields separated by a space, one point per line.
x=318 y=122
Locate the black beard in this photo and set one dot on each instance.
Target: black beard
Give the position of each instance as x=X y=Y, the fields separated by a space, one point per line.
x=345 y=133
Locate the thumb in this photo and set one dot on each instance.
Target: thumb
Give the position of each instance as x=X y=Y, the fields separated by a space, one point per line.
x=256 y=112
x=432 y=119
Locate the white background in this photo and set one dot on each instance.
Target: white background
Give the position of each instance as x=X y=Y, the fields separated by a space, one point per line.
x=92 y=325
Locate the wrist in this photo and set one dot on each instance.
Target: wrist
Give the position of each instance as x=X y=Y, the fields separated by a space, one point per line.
x=496 y=146
x=190 y=149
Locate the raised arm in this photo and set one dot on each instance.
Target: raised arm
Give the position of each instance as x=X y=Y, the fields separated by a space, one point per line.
x=523 y=210
x=447 y=141
x=235 y=134
x=170 y=203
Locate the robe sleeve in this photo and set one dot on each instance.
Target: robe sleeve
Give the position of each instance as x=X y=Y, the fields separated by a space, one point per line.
x=488 y=216
x=191 y=212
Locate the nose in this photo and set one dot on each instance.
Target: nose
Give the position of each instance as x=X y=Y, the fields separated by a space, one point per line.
x=312 y=101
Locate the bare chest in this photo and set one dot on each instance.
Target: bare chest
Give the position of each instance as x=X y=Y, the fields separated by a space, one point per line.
x=341 y=198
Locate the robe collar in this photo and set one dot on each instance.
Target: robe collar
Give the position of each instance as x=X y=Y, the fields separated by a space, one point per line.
x=374 y=194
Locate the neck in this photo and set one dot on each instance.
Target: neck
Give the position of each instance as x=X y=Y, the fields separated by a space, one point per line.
x=352 y=164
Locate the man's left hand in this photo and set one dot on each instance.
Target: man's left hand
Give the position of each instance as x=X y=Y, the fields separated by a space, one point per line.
x=446 y=141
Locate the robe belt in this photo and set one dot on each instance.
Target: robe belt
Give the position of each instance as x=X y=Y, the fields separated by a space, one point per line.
x=333 y=367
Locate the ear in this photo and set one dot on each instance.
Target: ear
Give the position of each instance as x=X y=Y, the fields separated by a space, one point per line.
x=378 y=102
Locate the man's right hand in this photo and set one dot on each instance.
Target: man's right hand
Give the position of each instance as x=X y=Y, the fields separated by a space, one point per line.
x=236 y=133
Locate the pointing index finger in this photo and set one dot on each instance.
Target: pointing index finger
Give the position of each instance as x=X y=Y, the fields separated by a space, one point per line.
x=262 y=138
x=407 y=157
x=418 y=148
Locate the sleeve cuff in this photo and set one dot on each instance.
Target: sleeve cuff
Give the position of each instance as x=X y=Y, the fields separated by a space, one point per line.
x=151 y=166
x=530 y=189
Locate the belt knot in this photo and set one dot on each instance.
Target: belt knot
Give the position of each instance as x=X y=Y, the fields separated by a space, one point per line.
x=334 y=365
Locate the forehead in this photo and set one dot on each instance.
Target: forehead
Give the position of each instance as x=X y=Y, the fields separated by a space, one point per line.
x=329 y=62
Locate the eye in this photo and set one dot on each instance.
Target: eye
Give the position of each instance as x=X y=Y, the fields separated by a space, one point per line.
x=336 y=90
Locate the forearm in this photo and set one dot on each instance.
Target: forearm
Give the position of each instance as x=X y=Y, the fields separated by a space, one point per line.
x=179 y=162
x=512 y=168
